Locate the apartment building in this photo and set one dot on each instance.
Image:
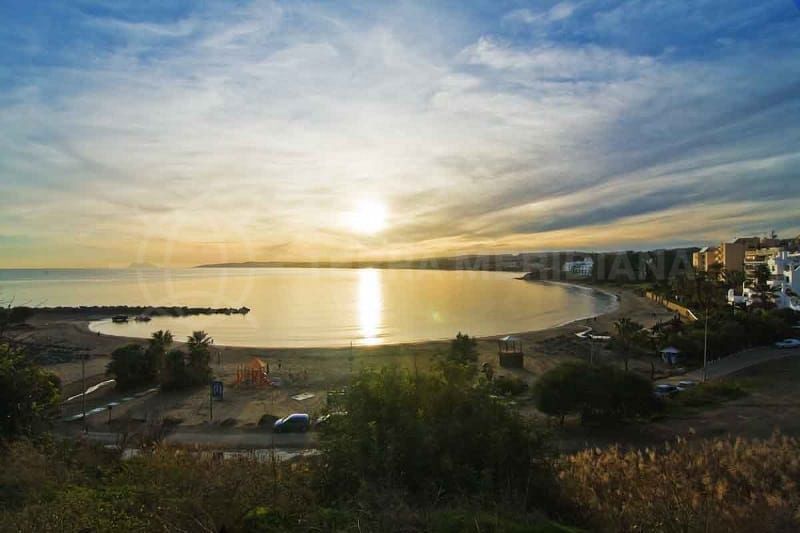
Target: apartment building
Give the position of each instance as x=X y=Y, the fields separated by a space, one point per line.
x=704 y=258
x=728 y=255
x=755 y=257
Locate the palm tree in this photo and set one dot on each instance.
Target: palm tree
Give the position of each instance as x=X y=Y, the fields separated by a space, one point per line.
x=157 y=349
x=705 y=291
x=161 y=338
x=734 y=279
x=715 y=271
x=626 y=332
x=199 y=339
x=199 y=343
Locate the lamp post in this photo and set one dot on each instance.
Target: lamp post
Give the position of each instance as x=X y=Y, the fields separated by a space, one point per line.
x=705 y=347
x=83 y=394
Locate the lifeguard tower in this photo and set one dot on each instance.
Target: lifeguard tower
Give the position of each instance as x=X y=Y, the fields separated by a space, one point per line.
x=509 y=351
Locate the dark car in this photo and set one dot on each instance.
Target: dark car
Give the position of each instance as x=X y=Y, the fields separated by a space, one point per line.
x=665 y=390
x=294 y=423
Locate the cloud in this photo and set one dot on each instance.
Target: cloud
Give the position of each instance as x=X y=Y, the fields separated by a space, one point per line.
x=558 y=12
x=255 y=126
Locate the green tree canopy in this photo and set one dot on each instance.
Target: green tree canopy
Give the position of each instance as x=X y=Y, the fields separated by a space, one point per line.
x=175 y=374
x=429 y=434
x=131 y=366
x=28 y=395
x=199 y=344
x=596 y=392
x=463 y=349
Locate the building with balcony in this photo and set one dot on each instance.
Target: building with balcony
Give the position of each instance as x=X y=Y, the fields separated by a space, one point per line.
x=581 y=268
x=754 y=258
x=728 y=255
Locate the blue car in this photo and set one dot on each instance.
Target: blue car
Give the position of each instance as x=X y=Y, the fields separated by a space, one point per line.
x=294 y=423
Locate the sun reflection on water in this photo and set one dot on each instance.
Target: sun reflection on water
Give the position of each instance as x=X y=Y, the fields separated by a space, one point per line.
x=370 y=305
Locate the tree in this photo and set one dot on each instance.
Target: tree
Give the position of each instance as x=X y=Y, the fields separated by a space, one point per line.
x=734 y=279
x=463 y=349
x=558 y=391
x=199 y=344
x=130 y=366
x=762 y=276
x=157 y=347
x=596 y=392
x=627 y=330
x=29 y=396
x=428 y=436
x=174 y=374
x=715 y=271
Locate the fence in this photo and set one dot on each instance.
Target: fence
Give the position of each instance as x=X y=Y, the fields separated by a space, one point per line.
x=685 y=312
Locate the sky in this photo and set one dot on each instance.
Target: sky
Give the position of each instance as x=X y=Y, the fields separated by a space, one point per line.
x=180 y=133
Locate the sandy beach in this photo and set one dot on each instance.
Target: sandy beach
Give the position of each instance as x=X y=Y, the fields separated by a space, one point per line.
x=303 y=370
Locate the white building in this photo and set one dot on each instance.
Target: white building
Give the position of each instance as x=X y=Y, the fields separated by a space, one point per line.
x=784 y=268
x=579 y=268
x=784 y=283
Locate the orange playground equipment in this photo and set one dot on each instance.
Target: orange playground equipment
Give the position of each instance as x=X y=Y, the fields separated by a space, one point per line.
x=254 y=373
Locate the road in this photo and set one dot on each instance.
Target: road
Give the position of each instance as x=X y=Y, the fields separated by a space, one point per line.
x=736 y=362
x=225 y=439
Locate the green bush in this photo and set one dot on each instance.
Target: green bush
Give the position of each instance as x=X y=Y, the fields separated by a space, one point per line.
x=131 y=366
x=463 y=349
x=596 y=392
x=29 y=395
x=429 y=435
x=509 y=385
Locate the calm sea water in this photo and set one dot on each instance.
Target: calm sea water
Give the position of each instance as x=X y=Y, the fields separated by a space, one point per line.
x=313 y=307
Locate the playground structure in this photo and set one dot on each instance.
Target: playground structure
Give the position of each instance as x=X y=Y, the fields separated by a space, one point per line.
x=509 y=351
x=256 y=372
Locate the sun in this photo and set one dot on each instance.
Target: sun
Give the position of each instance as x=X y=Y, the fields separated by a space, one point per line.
x=367 y=218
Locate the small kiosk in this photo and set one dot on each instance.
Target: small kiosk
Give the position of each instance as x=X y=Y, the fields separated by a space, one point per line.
x=670 y=355
x=509 y=351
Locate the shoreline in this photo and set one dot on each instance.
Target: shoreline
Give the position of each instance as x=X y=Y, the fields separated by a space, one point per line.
x=312 y=370
x=613 y=306
x=75 y=331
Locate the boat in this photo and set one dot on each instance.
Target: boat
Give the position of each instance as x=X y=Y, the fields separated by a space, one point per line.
x=142 y=318
x=119 y=319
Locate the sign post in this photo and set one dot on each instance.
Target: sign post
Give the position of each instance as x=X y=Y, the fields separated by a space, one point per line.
x=215 y=392
x=217 y=389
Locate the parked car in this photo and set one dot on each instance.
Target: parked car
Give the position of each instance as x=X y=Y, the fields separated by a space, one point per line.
x=686 y=384
x=665 y=389
x=294 y=423
x=788 y=343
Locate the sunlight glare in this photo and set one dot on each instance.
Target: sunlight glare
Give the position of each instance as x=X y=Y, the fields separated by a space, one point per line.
x=369 y=218
x=370 y=305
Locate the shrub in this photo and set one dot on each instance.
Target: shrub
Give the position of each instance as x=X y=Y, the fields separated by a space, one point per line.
x=596 y=392
x=28 y=395
x=713 y=486
x=463 y=349
x=509 y=385
x=429 y=435
x=131 y=366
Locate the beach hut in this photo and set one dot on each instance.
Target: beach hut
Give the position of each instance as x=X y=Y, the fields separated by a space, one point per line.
x=509 y=352
x=670 y=355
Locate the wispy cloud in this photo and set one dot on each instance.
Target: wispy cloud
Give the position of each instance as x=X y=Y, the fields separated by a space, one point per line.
x=137 y=131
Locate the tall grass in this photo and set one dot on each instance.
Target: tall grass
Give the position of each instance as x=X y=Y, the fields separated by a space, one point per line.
x=712 y=485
